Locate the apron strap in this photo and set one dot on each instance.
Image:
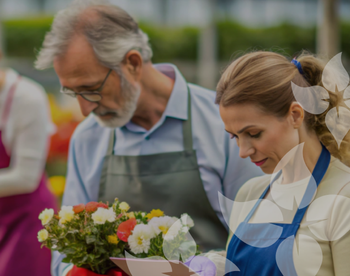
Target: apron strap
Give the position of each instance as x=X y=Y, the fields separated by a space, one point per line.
x=110 y=150
x=8 y=103
x=187 y=126
x=252 y=211
x=317 y=175
x=186 y=130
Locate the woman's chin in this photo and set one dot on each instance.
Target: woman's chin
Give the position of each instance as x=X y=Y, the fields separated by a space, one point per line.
x=267 y=168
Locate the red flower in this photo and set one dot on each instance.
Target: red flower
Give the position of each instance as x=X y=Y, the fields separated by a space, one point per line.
x=125 y=228
x=78 y=208
x=91 y=206
x=102 y=205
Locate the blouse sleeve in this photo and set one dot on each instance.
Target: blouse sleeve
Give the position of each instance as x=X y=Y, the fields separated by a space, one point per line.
x=340 y=232
x=28 y=134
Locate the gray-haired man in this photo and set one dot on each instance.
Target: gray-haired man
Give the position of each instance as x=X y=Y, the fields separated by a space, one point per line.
x=150 y=138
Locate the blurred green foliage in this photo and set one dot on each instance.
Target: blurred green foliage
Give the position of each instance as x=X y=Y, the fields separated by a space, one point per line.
x=23 y=37
x=234 y=39
x=172 y=43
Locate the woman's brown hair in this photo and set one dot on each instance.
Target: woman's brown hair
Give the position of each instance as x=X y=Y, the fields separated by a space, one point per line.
x=264 y=79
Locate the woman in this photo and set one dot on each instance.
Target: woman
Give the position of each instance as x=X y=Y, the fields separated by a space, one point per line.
x=25 y=127
x=287 y=222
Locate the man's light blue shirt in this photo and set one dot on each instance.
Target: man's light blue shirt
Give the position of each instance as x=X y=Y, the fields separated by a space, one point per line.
x=221 y=168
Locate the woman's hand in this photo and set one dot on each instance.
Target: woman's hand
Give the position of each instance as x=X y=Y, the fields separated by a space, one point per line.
x=201 y=265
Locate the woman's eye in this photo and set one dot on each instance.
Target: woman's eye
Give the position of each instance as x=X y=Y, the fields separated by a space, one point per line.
x=255 y=135
x=233 y=136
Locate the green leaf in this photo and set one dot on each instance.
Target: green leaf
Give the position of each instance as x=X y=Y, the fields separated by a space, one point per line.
x=69 y=250
x=90 y=239
x=66 y=260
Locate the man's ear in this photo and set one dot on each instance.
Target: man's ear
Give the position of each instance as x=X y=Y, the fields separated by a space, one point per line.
x=297 y=114
x=133 y=63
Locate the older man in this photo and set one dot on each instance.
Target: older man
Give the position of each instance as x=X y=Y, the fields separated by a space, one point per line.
x=150 y=138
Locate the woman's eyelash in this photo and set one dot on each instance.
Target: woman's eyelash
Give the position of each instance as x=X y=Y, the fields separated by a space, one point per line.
x=255 y=135
x=232 y=136
x=252 y=136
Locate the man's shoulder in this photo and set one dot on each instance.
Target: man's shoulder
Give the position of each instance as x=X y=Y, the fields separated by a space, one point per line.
x=203 y=101
x=202 y=94
x=88 y=127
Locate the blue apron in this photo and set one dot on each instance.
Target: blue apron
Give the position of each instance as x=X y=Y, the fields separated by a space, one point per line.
x=266 y=249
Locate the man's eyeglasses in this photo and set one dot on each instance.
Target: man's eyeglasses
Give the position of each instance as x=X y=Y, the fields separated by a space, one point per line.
x=91 y=96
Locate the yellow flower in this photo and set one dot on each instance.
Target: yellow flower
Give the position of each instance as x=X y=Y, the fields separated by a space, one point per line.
x=46 y=215
x=43 y=235
x=113 y=239
x=66 y=214
x=57 y=184
x=131 y=215
x=155 y=213
x=124 y=207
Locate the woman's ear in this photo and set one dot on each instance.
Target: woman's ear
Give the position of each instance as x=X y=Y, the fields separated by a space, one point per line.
x=297 y=114
x=133 y=64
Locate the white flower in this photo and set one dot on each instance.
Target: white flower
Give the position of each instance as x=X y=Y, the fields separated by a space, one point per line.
x=173 y=230
x=143 y=214
x=140 y=240
x=66 y=214
x=161 y=224
x=124 y=207
x=46 y=216
x=43 y=235
x=185 y=229
x=187 y=220
x=102 y=215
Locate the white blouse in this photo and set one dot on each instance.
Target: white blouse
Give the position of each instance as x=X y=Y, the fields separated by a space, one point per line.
x=321 y=245
x=25 y=135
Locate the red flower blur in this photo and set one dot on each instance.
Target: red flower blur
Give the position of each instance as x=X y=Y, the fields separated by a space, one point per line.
x=60 y=141
x=78 y=208
x=102 y=205
x=91 y=206
x=125 y=228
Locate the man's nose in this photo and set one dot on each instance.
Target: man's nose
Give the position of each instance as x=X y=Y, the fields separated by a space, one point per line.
x=245 y=149
x=86 y=107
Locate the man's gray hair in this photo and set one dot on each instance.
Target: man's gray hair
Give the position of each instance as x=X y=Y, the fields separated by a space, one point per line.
x=112 y=33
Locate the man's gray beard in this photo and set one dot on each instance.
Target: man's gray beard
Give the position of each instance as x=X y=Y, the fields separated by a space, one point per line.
x=123 y=115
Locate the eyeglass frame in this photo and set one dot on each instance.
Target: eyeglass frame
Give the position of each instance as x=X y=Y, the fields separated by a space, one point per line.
x=97 y=91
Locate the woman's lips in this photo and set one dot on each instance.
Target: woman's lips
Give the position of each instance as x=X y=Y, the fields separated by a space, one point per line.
x=260 y=163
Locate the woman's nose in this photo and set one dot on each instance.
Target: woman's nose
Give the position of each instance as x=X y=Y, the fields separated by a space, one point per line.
x=86 y=107
x=245 y=149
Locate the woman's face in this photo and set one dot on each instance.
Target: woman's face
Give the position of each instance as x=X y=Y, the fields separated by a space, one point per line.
x=262 y=137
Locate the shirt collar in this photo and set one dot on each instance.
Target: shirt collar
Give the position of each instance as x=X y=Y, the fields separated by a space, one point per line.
x=178 y=101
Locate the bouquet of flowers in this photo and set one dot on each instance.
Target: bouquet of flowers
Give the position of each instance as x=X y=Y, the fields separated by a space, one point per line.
x=88 y=235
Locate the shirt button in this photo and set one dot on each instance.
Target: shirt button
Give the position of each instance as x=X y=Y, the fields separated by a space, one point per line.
x=147 y=138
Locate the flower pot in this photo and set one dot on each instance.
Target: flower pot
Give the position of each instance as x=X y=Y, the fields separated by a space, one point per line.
x=78 y=271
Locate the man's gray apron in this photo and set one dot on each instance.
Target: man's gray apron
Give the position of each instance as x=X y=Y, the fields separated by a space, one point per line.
x=167 y=181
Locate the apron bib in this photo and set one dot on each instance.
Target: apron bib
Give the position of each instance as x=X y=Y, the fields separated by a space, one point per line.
x=168 y=181
x=266 y=249
x=20 y=251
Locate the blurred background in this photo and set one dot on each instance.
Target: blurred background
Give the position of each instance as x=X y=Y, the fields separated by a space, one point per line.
x=201 y=37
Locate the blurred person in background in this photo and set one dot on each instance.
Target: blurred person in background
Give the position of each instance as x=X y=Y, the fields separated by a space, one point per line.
x=25 y=128
x=150 y=138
